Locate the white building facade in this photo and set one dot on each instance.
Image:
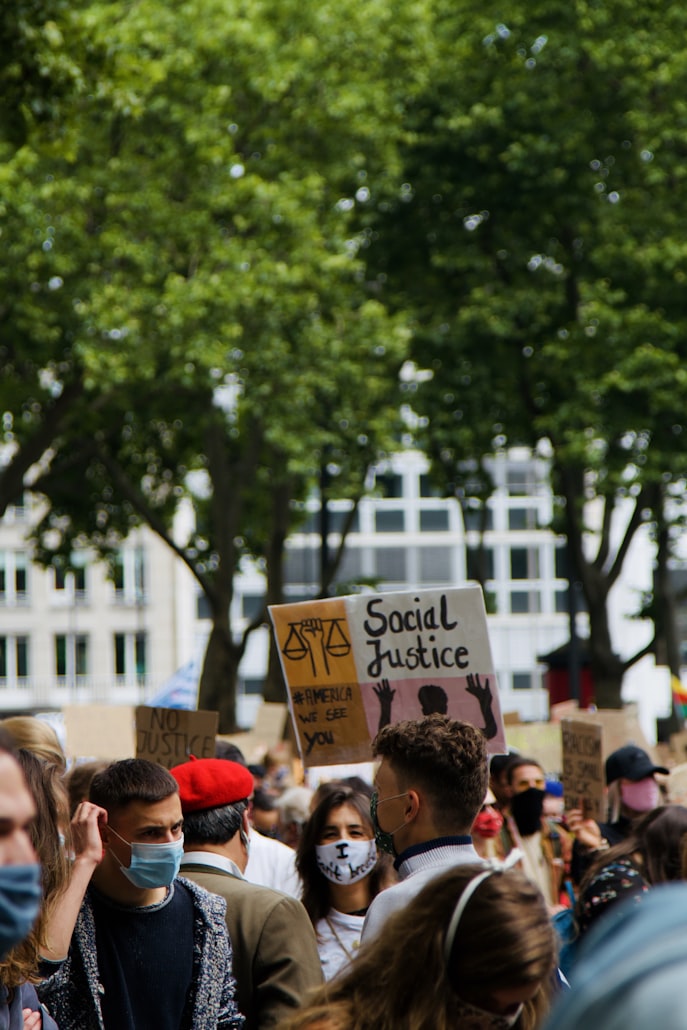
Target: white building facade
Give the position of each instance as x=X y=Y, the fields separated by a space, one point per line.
x=83 y=638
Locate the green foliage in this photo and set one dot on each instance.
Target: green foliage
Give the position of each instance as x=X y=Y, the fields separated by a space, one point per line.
x=182 y=248
x=537 y=225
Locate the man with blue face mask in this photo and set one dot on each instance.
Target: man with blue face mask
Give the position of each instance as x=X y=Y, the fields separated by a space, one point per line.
x=149 y=949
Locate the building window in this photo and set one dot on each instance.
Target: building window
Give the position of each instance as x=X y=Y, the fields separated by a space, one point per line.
x=71 y=655
x=252 y=605
x=433 y=520
x=522 y=518
x=391 y=565
x=253 y=686
x=522 y=681
x=337 y=522
x=130 y=657
x=70 y=584
x=524 y=563
x=478 y=518
x=435 y=565
x=390 y=521
x=301 y=565
x=520 y=479
x=389 y=485
x=14 y=661
x=13 y=577
x=524 y=602
x=129 y=576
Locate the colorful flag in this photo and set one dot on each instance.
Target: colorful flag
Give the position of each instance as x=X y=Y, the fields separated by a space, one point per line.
x=679 y=697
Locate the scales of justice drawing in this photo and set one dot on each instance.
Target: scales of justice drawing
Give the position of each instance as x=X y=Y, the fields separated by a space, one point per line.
x=316 y=639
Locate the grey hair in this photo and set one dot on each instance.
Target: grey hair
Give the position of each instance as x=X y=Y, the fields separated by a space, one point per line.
x=214 y=825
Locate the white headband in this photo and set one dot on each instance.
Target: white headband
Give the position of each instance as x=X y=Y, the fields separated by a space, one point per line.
x=495 y=865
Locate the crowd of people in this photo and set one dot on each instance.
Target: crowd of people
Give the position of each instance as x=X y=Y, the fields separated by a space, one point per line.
x=453 y=891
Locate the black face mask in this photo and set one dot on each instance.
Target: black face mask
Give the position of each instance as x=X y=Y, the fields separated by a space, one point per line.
x=527 y=809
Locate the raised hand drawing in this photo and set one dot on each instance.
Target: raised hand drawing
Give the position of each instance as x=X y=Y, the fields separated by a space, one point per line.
x=485 y=699
x=385 y=696
x=312 y=631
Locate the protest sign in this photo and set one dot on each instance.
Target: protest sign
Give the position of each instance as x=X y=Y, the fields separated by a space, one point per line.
x=355 y=664
x=538 y=740
x=169 y=735
x=99 y=731
x=583 y=767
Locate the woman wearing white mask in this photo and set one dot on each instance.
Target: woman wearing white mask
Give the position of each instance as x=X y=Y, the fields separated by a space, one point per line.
x=341 y=873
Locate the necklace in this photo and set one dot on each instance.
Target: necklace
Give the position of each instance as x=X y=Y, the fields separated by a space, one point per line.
x=347 y=953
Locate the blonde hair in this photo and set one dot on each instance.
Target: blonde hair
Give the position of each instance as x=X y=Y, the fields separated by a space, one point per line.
x=401 y=980
x=37 y=736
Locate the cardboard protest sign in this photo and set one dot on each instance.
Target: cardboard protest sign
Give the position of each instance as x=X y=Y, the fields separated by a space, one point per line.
x=355 y=664
x=538 y=740
x=583 y=767
x=169 y=735
x=99 y=731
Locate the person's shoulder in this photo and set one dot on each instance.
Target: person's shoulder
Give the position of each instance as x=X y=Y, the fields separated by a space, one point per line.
x=203 y=900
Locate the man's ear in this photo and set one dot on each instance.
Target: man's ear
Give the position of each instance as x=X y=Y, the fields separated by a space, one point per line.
x=413 y=804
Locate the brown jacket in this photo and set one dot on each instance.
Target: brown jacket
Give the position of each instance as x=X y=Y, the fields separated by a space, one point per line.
x=276 y=961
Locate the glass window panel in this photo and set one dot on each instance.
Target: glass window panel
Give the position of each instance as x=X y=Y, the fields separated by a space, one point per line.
x=3 y=658
x=391 y=565
x=252 y=605
x=22 y=648
x=119 y=654
x=253 y=686
x=428 y=488
x=524 y=601
x=140 y=655
x=435 y=565
x=473 y=518
x=433 y=521
x=81 y=655
x=390 y=521
x=522 y=518
x=389 y=485
x=522 y=681
x=60 y=655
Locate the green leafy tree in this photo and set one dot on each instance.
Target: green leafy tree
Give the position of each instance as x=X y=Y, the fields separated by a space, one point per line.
x=201 y=188
x=540 y=210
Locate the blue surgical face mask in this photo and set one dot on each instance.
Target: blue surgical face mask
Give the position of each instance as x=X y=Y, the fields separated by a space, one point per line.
x=20 y=901
x=152 y=865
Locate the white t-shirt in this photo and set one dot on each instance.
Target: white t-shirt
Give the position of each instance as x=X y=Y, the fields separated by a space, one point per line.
x=272 y=864
x=338 y=939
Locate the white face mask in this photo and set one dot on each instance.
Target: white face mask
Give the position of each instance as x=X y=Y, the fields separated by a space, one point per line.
x=346 y=861
x=474 y=1018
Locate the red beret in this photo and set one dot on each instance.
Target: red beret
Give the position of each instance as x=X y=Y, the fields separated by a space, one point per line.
x=211 y=783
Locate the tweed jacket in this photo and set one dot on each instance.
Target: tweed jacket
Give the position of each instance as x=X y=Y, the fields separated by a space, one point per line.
x=72 y=994
x=276 y=961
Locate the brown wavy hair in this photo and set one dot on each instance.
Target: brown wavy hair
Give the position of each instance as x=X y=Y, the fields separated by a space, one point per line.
x=444 y=756
x=401 y=980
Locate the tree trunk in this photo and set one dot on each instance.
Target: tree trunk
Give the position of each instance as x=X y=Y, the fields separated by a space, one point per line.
x=219 y=677
x=666 y=614
x=275 y=688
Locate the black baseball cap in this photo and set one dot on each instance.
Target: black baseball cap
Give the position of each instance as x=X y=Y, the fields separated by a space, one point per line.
x=631 y=763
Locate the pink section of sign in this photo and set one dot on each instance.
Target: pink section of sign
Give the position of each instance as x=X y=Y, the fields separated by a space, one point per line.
x=472 y=699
